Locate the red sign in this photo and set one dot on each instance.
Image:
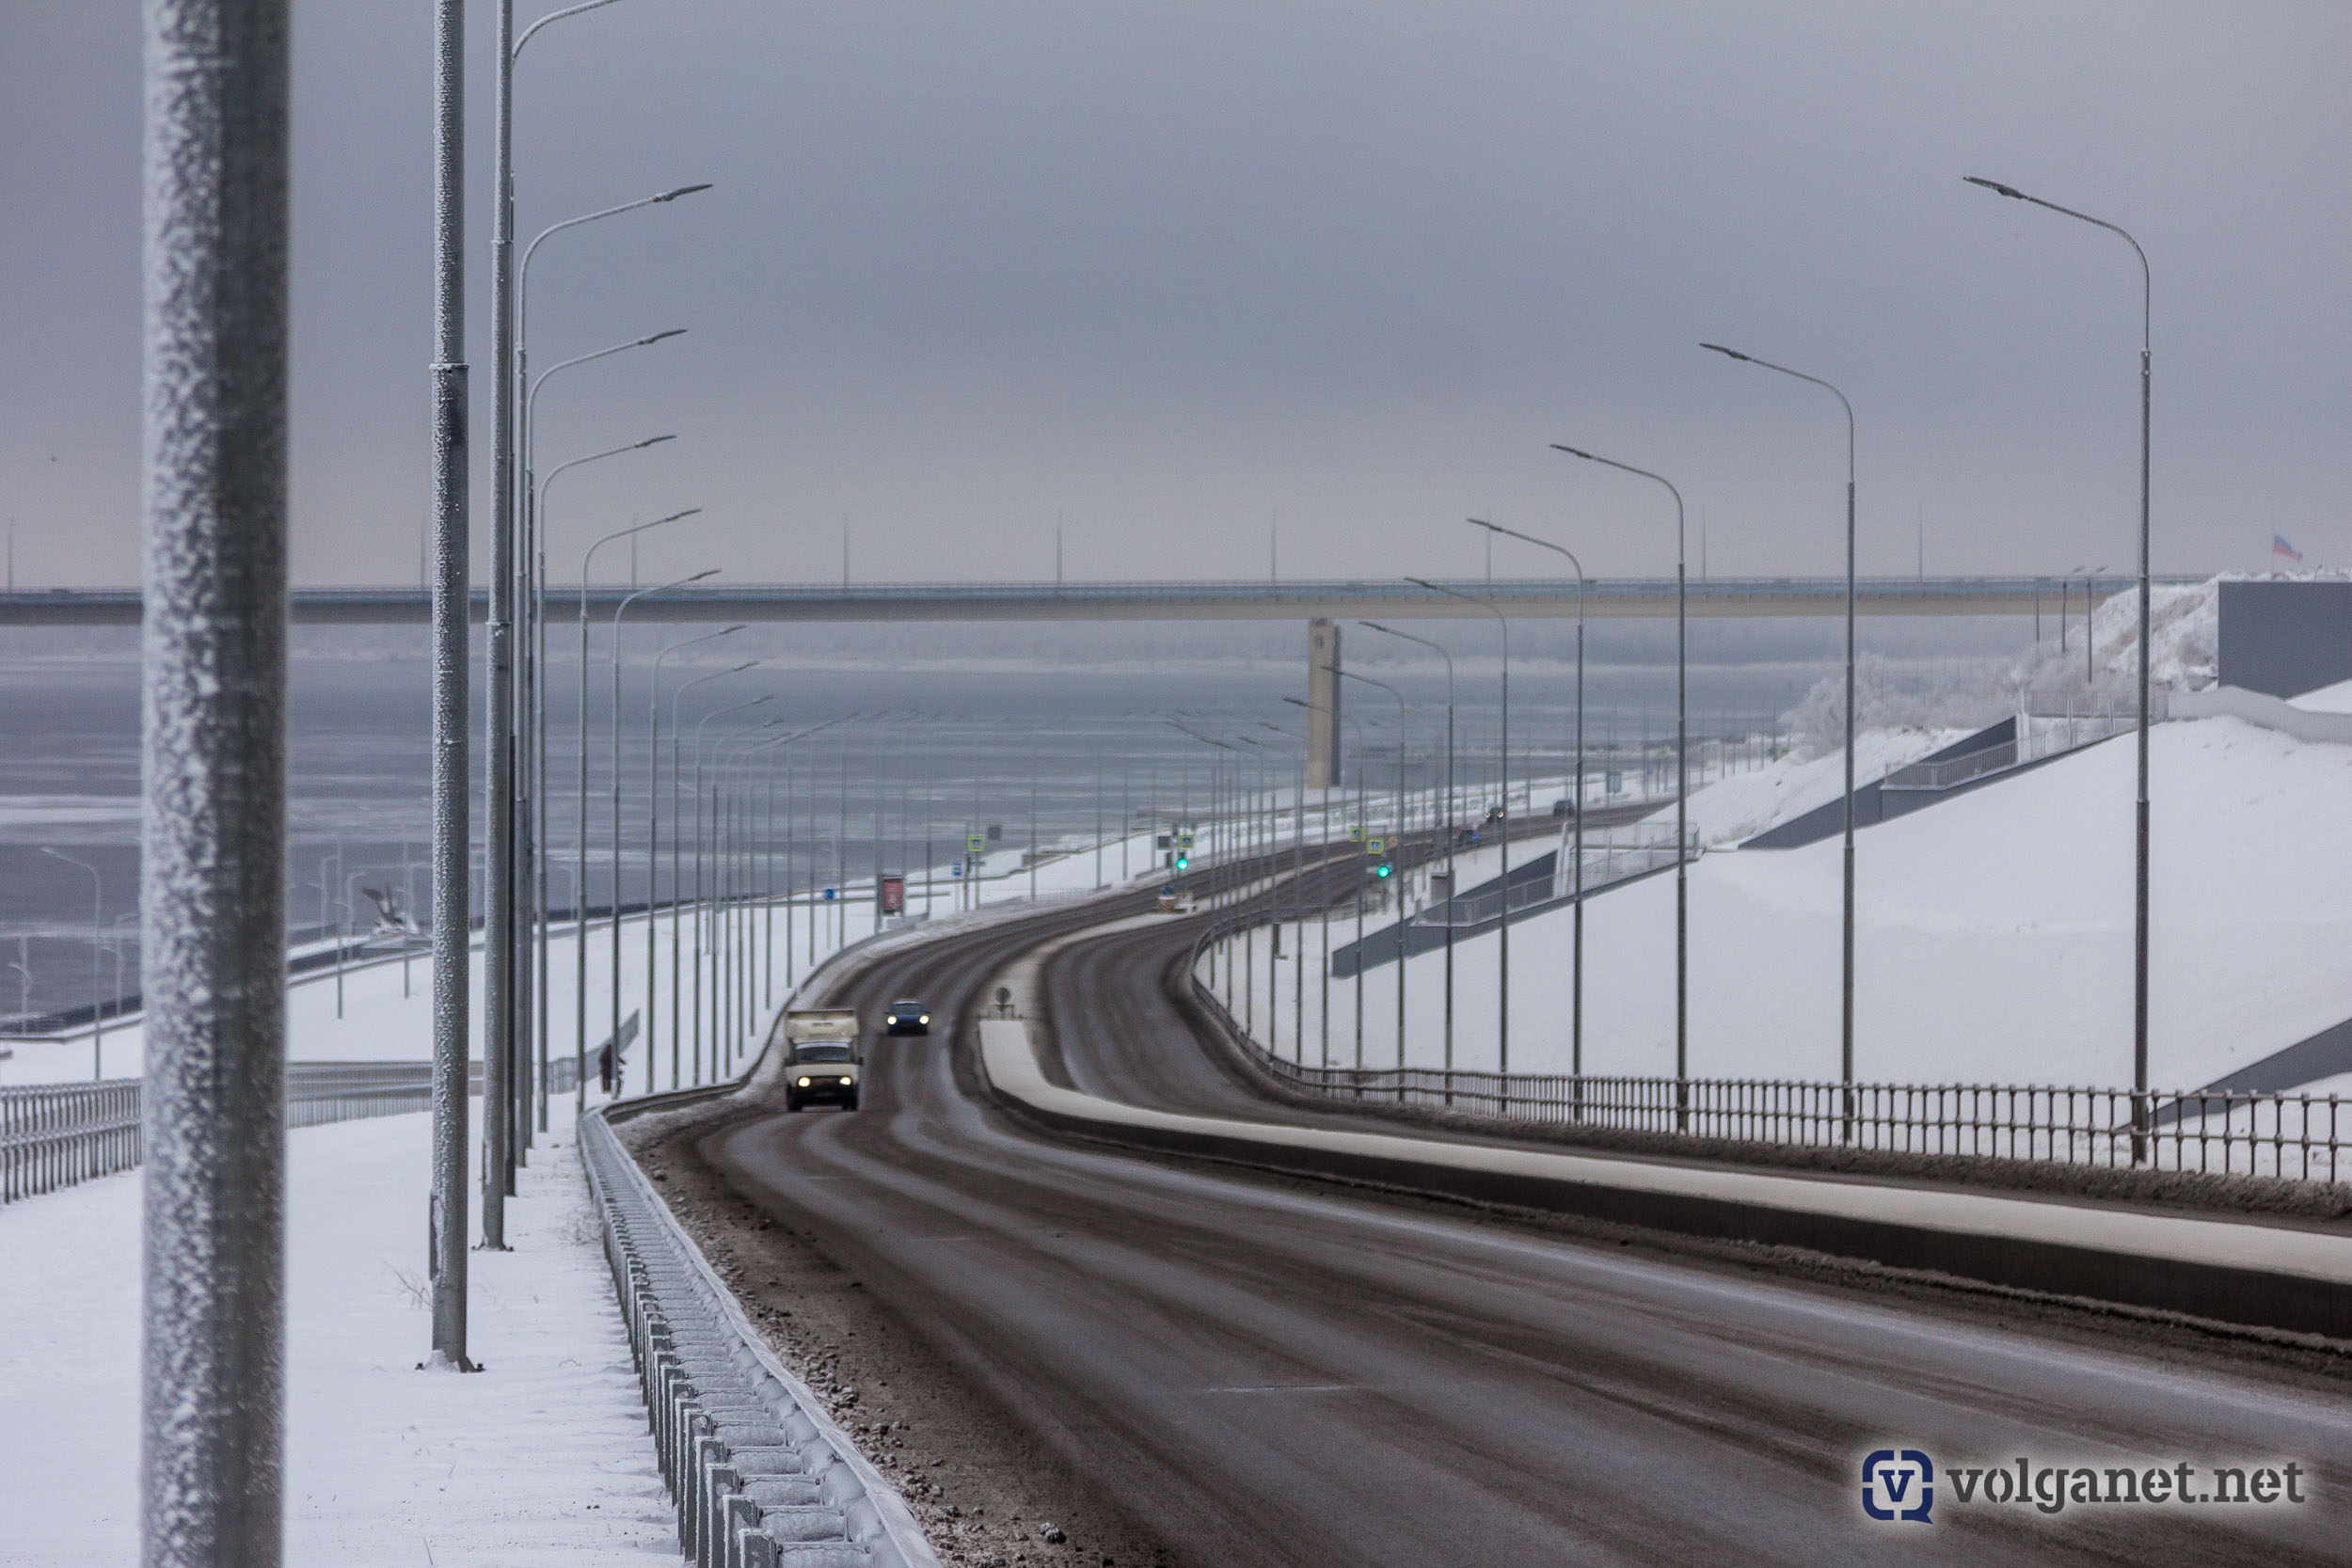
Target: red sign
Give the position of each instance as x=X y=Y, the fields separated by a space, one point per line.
x=893 y=895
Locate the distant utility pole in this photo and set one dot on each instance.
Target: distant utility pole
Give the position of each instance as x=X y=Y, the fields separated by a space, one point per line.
x=212 y=953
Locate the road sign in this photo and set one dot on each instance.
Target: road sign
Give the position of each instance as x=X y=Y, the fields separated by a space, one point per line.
x=1356 y=835
x=831 y=894
x=976 y=844
x=956 y=870
x=894 y=894
x=1377 y=846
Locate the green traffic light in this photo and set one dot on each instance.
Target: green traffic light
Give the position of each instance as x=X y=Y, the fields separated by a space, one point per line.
x=1386 y=870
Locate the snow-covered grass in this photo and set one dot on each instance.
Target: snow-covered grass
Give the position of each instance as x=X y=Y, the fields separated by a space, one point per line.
x=540 y=1459
x=1995 y=937
x=1740 y=805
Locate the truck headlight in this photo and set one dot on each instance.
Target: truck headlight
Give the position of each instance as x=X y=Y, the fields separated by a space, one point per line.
x=845 y=1081
x=804 y=1083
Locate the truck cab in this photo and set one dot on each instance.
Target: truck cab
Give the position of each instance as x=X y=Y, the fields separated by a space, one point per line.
x=822 y=1065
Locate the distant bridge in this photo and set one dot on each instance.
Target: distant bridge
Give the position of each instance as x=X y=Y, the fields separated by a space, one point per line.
x=1159 y=601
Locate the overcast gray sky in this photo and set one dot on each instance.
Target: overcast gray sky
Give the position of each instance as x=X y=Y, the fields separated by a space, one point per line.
x=1170 y=269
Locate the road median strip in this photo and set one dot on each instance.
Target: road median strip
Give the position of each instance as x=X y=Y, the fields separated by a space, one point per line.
x=2249 y=1273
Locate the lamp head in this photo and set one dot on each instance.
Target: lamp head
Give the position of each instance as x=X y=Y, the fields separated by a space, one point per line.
x=682 y=190
x=1997 y=188
x=1573 y=451
x=674 y=516
x=672 y=332
x=652 y=441
x=1480 y=522
x=1726 y=353
x=711 y=572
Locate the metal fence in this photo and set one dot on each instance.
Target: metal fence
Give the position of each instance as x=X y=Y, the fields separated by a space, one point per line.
x=52 y=1135
x=1955 y=771
x=2299 y=1137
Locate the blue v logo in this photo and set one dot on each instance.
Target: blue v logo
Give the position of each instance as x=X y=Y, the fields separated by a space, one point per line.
x=1899 y=1485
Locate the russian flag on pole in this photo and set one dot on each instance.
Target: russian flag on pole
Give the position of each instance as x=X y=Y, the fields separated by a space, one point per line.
x=2279 y=545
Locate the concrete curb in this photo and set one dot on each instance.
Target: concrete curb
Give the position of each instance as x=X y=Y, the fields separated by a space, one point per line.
x=2271 y=1277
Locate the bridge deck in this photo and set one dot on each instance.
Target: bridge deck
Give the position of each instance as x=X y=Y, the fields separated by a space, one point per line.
x=1159 y=601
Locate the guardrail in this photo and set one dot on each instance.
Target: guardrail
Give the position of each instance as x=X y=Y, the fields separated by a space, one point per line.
x=1958 y=770
x=2298 y=1137
x=52 y=1135
x=760 y=1475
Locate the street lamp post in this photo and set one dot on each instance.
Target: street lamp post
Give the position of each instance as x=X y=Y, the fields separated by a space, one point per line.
x=531 y=786
x=677 y=919
x=701 y=921
x=1445 y=826
x=1397 y=834
x=2139 y=892
x=97 y=940
x=507 y=849
x=1363 y=832
x=1682 y=783
x=620 y=610
x=580 y=847
x=653 y=836
x=1503 y=839
x=1576 y=982
x=1846 y=972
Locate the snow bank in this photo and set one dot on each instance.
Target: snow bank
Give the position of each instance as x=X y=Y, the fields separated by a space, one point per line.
x=1740 y=805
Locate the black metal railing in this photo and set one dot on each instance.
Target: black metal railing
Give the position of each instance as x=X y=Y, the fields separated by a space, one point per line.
x=52 y=1135
x=2300 y=1137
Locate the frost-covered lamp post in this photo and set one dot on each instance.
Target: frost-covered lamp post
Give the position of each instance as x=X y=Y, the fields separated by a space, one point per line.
x=1682 y=783
x=212 y=765
x=97 y=959
x=2139 y=892
x=1576 y=981
x=1846 y=973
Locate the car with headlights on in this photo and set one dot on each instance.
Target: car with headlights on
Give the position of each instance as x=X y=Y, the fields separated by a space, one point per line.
x=907 y=1016
x=821 y=1065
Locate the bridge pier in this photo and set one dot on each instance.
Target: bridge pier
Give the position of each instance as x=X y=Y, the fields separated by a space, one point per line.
x=1323 y=692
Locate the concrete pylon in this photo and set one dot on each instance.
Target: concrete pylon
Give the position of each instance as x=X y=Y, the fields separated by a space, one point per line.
x=1323 y=693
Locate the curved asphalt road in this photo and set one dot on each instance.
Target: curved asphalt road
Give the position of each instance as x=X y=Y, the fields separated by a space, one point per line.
x=1267 y=1374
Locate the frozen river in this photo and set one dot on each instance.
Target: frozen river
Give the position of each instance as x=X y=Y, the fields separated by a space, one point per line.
x=941 y=748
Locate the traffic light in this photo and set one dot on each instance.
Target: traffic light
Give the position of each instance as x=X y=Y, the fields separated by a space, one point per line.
x=1379 y=849
x=1183 y=862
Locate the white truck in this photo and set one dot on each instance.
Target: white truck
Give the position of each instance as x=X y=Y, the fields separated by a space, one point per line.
x=822 y=1064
